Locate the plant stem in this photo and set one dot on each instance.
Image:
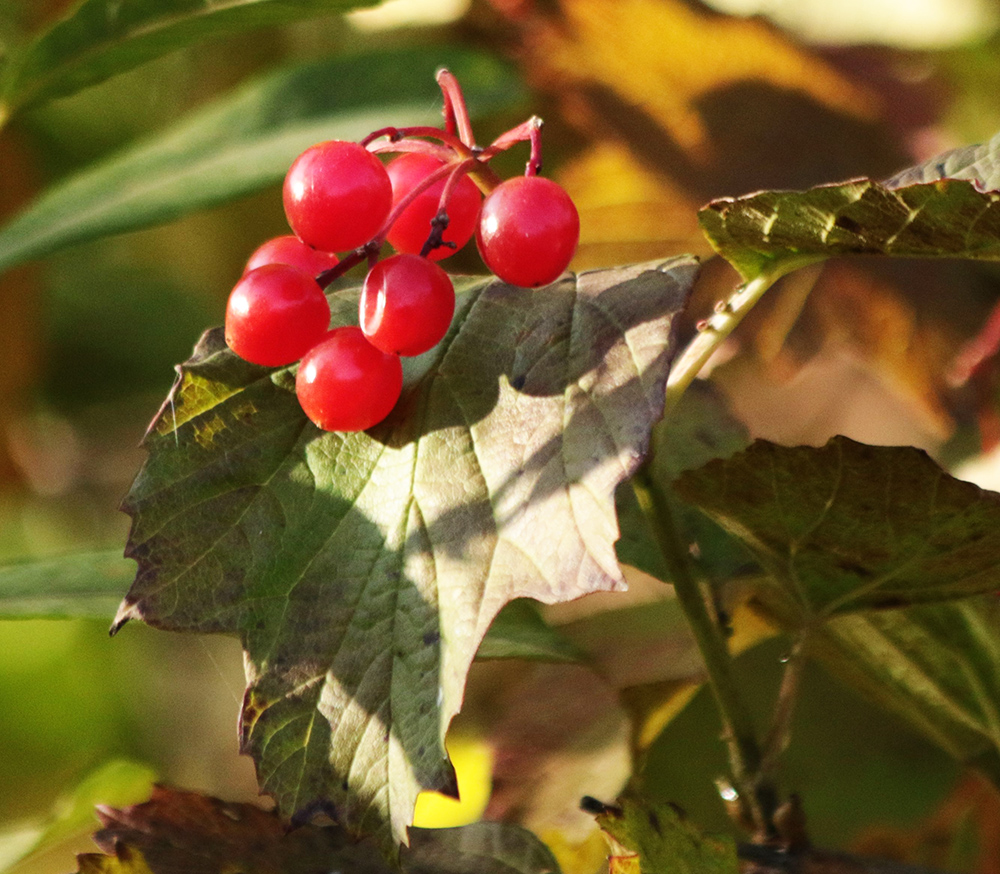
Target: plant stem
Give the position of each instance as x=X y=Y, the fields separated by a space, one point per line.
x=781 y=727
x=456 y=114
x=715 y=329
x=395 y=134
x=746 y=758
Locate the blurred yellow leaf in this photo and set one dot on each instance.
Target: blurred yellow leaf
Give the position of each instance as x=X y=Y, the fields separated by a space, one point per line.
x=677 y=104
x=661 y=56
x=472 y=759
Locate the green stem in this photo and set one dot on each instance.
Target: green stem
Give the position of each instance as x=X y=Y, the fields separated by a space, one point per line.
x=745 y=755
x=714 y=330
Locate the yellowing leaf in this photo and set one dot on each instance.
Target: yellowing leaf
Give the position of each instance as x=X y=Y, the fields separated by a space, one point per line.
x=127 y=860
x=661 y=56
x=676 y=105
x=628 y=212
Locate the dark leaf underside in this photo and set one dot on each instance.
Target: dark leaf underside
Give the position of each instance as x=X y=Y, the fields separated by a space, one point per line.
x=849 y=526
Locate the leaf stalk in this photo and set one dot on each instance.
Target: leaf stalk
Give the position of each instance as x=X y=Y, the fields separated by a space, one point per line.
x=713 y=331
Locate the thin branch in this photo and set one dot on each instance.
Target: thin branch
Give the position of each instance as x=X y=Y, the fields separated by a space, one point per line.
x=781 y=727
x=756 y=796
x=713 y=331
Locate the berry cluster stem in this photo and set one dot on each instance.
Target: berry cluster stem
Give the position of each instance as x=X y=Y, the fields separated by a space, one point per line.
x=401 y=139
x=456 y=113
x=460 y=156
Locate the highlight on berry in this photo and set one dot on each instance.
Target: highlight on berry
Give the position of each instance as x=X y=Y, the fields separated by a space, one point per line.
x=344 y=205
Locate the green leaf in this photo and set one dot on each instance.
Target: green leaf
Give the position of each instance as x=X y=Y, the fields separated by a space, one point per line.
x=116 y=782
x=948 y=207
x=247 y=141
x=665 y=841
x=520 y=632
x=100 y=38
x=184 y=831
x=362 y=570
x=849 y=526
x=936 y=665
x=697 y=430
x=78 y=585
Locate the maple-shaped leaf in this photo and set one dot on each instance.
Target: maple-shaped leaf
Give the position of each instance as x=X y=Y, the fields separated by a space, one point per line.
x=948 y=207
x=362 y=570
x=184 y=831
x=849 y=526
x=655 y=838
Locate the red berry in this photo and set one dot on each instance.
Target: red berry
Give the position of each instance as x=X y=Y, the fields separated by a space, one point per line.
x=289 y=249
x=409 y=232
x=346 y=384
x=337 y=196
x=528 y=230
x=275 y=314
x=406 y=304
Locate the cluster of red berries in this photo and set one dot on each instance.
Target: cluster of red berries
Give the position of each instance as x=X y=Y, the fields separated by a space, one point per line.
x=427 y=203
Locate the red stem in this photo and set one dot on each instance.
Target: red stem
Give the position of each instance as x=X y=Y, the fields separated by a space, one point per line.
x=442 y=153
x=535 y=138
x=456 y=112
x=395 y=134
x=530 y=131
x=978 y=352
x=372 y=248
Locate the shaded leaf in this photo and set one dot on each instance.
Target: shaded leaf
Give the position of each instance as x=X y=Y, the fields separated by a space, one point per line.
x=944 y=208
x=246 y=141
x=849 y=526
x=362 y=570
x=184 y=831
x=479 y=848
x=520 y=632
x=100 y=38
x=936 y=665
x=664 y=840
x=81 y=585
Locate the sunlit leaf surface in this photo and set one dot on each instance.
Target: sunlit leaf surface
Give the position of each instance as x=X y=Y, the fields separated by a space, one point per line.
x=362 y=570
x=946 y=208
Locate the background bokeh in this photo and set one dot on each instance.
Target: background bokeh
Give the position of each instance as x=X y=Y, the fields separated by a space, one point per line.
x=652 y=107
